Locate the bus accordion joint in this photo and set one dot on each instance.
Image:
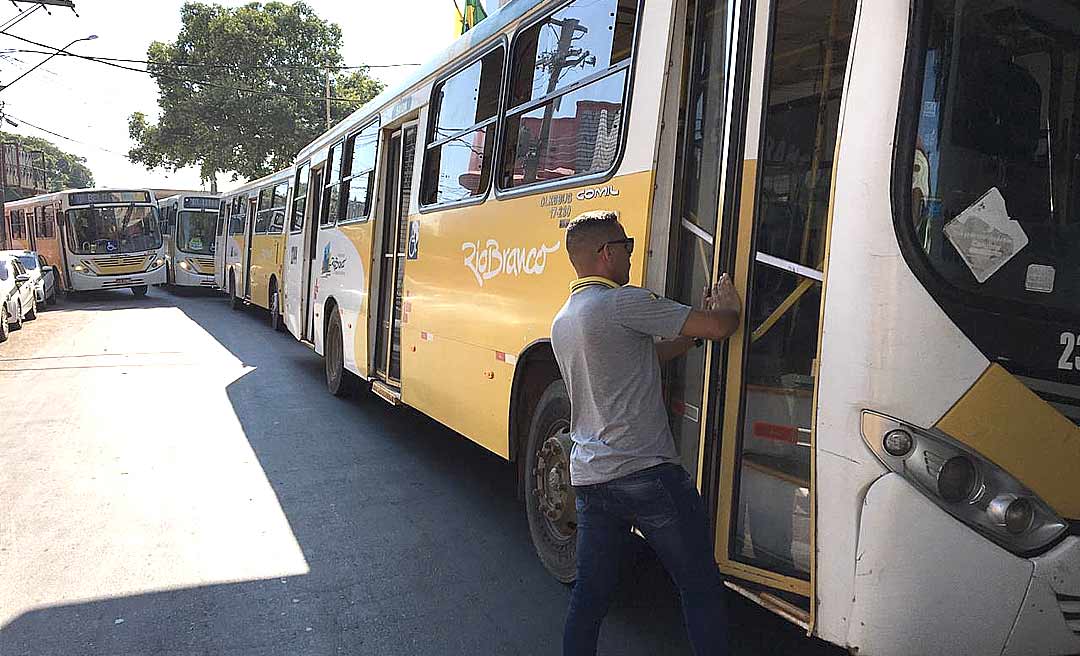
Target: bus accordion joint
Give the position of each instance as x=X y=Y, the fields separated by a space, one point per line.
x=964 y=484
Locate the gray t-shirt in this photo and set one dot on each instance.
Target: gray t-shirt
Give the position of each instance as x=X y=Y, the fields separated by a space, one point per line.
x=603 y=342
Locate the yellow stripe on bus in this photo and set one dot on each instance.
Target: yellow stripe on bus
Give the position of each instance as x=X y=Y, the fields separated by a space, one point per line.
x=1008 y=423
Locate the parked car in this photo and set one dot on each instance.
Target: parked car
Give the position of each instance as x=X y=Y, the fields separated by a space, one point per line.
x=42 y=275
x=17 y=295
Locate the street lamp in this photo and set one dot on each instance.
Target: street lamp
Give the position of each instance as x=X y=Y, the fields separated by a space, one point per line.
x=42 y=62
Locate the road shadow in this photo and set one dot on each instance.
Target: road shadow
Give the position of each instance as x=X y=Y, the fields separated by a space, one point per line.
x=414 y=536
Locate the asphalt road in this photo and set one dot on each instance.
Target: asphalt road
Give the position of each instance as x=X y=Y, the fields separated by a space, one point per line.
x=176 y=480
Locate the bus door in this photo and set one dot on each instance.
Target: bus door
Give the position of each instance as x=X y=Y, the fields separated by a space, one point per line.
x=311 y=248
x=33 y=221
x=775 y=207
x=393 y=252
x=253 y=206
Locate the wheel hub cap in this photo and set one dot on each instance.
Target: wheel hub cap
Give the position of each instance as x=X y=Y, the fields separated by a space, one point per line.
x=556 y=496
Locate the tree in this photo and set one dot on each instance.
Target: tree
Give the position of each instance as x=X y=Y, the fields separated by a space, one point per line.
x=207 y=118
x=62 y=170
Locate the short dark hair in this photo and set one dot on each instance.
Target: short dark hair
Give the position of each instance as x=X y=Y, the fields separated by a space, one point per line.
x=589 y=230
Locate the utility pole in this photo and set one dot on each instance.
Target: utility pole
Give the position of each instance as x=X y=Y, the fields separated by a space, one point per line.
x=327 y=98
x=564 y=57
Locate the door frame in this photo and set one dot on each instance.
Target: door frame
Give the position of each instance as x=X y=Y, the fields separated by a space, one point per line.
x=309 y=249
x=401 y=213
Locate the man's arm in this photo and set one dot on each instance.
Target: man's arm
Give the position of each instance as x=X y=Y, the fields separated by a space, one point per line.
x=719 y=316
x=669 y=349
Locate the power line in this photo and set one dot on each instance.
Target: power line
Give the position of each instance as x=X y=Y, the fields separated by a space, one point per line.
x=187 y=80
x=57 y=134
x=231 y=67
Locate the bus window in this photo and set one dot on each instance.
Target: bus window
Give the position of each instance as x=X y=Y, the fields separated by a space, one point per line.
x=277 y=207
x=356 y=187
x=262 y=214
x=48 y=222
x=552 y=134
x=300 y=192
x=220 y=229
x=18 y=224
x=236 y=217
x=457 y=160
x=332 y=191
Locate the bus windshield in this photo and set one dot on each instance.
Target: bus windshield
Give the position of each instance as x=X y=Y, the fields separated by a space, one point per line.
x=995 y=184
x=195 y=232
x=115 y=229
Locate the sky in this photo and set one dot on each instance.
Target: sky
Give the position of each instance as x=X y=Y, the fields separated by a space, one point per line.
x=89 y=103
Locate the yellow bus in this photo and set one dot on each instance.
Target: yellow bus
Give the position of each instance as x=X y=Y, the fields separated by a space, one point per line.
x=251 y=241
x=188 y=228
x=889 y=444
x=97 y=238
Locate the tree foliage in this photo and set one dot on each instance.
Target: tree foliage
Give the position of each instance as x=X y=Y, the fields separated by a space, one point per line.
x=206 y=120
x=62 y=170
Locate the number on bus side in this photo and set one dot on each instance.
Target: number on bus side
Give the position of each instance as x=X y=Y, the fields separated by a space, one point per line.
x=1067 y=361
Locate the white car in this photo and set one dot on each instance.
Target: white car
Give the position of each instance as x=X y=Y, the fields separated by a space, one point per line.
x=42 y=275
x=17 y=295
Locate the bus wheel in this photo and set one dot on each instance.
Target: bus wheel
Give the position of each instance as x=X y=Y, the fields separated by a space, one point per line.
x=339 y=380
x=3 y=322
x=549 y=499
x=275 y=310
x=139 y=291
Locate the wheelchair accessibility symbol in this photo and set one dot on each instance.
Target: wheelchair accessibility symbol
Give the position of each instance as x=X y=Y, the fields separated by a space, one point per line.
x=414 y=240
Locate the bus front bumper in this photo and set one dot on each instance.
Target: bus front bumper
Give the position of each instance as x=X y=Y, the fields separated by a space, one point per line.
x=926 y=583
x=82 y=282
x=190 y=278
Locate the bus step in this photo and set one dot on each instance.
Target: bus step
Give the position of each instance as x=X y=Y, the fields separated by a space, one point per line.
x=310 y=345
x=785 y=609
x=391 y=395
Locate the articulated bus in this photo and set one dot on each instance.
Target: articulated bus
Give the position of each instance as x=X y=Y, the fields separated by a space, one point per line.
x=251 y=243
x=97 y=238
x=188 y=223
x=888 y=445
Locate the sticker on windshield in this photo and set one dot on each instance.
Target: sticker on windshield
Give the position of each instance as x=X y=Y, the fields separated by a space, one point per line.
x=1039 y=278
x=985 y=236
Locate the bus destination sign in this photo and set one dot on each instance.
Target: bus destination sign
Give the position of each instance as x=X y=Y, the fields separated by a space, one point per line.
x=100 y=197
x=200 y=203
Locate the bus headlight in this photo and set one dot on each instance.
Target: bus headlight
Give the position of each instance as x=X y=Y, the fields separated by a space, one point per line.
x=81 y=267
x=156 y=264
x=965 y=484
x=185 y=265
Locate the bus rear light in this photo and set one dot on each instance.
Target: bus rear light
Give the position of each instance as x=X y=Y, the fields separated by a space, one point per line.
x=965 y=484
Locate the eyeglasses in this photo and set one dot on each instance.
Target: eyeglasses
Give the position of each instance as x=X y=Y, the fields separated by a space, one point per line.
x=628 y=242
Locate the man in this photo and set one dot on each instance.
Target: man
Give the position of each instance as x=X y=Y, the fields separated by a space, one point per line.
x=623 y=465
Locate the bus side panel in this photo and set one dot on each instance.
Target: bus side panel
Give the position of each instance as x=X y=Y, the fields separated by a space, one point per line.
x=885 y=345
x=489 y=279
x=235 y=262
x=356 y=241
x=262 y=263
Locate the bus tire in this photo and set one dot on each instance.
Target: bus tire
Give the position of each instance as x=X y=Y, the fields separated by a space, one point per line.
x=32 y=314
x=339 y=380
x=549 y=499
x=275 y=309
x=4 y=329
x=139 y=291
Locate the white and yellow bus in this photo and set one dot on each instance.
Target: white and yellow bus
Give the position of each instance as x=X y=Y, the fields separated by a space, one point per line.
x=97 y=238
x=251 y=243
x=889 y=444
x=188 y=224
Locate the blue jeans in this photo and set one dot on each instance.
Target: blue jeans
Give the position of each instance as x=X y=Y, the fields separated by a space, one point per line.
x=664 y=505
